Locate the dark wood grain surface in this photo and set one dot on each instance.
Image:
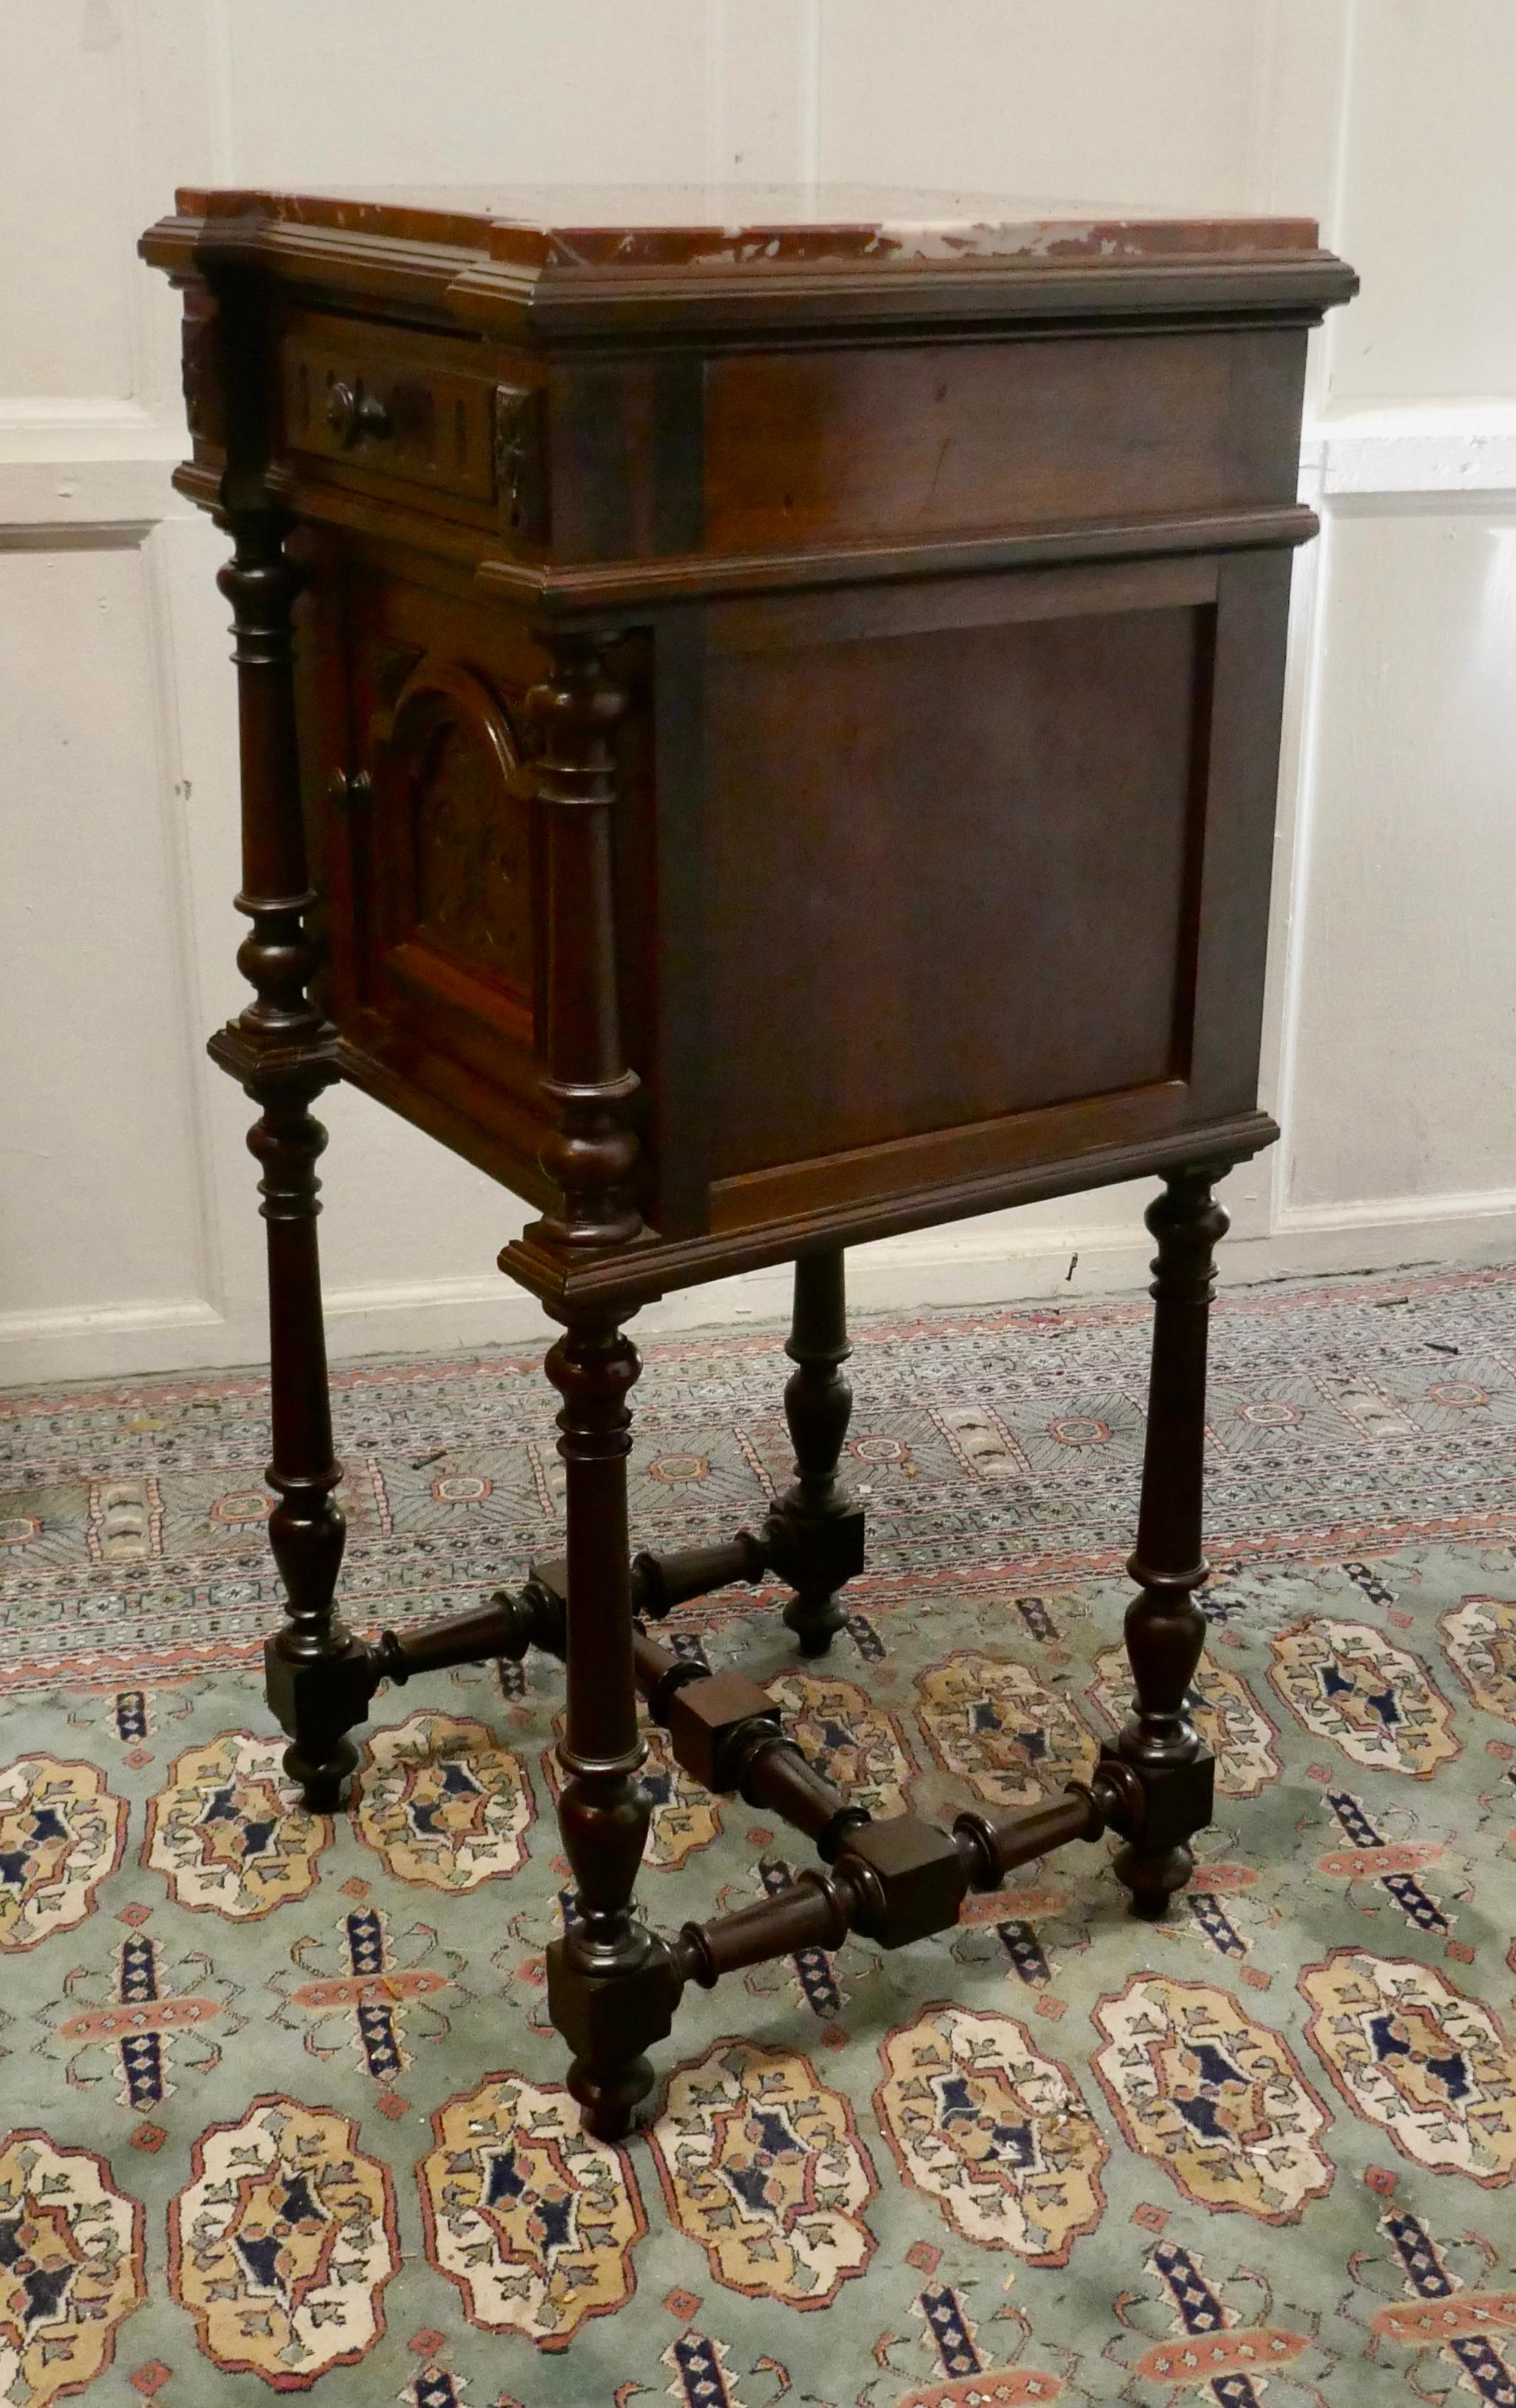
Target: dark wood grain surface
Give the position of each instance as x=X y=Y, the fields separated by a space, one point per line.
x=951 y=652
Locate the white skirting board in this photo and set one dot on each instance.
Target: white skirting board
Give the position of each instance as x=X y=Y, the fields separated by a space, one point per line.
x=976 y=1264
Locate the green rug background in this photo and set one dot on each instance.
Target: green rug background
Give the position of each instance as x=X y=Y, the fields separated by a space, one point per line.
x=1266 y=2151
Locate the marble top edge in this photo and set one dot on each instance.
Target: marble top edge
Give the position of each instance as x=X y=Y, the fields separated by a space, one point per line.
x=614 y=226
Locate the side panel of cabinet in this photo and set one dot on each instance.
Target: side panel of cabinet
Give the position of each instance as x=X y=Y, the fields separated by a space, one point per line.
x=1242 y=767
x=983 y=873
x=952 y=867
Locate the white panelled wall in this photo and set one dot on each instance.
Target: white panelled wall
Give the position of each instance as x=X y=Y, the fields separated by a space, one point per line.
x=128 y=1233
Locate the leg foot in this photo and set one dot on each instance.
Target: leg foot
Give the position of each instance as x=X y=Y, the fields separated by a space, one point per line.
x=323 y=1786
x=317 y=1699
x=1153 y=1880
x=609 y=2020
x=815 y=1622
x=1177 y=1801
x=609 y=2107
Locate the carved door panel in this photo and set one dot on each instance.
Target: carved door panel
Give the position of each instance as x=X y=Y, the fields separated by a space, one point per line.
x=451 y=878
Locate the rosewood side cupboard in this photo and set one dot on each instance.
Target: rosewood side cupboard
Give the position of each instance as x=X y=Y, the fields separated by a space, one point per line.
x=759 y=728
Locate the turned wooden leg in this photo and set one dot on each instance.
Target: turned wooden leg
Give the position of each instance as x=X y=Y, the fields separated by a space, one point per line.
x=1166 y=1629
x=317 y=1674
x=280 y=1048
x=822 y=1516
x=612 y=1985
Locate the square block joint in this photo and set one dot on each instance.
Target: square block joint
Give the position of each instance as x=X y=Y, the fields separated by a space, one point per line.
x=1178 y=1799
x=920 y=1872
x=705 y=1720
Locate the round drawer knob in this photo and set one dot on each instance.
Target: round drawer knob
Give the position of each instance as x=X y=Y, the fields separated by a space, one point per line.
x=352 y=414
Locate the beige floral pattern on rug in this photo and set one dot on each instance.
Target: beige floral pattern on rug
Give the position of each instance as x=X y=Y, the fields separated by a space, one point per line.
x=230 y=1832
x=1213 y=2098
x=534 y=2221
x=995 y=2132
x=1418 y=2057
x=442 y=1803
x=61 y=1833
x=762 y=2165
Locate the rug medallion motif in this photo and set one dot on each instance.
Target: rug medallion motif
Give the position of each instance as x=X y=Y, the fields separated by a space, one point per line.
x=1350 y=1685
x=61 y=1833
x=995 y=2133
x=997 y=1726
x=71 y=2267
x=441 y=1803
x=282 y=2241
x=1480 y=1636
x=762 y=2165
x=532 y=2219
x=1213 y=2098
x=230 y=1832
x=1414 y=2055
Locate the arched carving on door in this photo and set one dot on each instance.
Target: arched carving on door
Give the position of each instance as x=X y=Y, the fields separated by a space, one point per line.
x=454 y=825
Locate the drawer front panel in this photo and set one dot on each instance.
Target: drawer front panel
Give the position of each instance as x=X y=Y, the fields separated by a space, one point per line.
x=390 y=409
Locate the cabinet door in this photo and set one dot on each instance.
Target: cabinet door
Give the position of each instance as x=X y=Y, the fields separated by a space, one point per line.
x=425 y=855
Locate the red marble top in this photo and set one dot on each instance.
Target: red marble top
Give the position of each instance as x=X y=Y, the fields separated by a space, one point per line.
x=708 y=226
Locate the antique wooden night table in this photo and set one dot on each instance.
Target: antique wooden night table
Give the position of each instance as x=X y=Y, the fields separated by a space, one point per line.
x=759 y=724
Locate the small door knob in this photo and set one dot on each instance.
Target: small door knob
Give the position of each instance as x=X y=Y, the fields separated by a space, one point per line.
x=353 y=790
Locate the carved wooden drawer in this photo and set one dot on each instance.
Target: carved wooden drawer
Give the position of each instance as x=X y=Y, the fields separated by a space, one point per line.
x=387 y=409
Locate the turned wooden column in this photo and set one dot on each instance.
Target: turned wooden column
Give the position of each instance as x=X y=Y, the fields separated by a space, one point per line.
x=610 y=1982
x=591 y=1154
x=612 y=1985
x=820 y=1510
x=280 y=1048
x=1166 y=1629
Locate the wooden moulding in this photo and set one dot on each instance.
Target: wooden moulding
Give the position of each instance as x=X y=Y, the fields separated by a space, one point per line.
x=619 y=591
x=650 y=1266
x=707 y=577
x=444 y=265
x=994 y=1148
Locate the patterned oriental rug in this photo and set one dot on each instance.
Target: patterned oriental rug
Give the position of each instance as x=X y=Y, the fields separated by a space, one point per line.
x=282 y=2107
